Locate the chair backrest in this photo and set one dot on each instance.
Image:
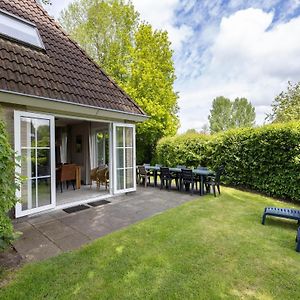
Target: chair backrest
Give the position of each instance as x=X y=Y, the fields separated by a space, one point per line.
x=201 y=168
x=187 y=175
x=181 y=167
x=142 y=170
x=219 y=172
x=165 y=173
x=67 y=172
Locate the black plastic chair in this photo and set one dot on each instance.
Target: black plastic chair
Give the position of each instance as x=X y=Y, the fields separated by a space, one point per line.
x=197 y=177
x=187 y=180
x=166 y=178
x=214 y=181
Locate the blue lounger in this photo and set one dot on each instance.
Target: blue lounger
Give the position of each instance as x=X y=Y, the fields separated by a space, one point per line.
x=287 y=213
x=298 y=240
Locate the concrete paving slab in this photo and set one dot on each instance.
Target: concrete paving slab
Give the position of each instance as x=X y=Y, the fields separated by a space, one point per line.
x=54 y=232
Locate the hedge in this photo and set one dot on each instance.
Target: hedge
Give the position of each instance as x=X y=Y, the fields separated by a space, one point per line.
x=266 y=159
x=7 y=187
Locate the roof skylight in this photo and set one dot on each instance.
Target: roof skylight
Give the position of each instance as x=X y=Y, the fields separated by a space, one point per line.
x=19 y=29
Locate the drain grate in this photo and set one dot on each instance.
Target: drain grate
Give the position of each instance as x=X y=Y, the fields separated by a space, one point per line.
x=98 y=203
x=76 y=208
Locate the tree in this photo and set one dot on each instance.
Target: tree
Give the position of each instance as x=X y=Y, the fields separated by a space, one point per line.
x=136 y=57
x=226 y=114
x=105 y=30
x=151 y=86
x=286 y=106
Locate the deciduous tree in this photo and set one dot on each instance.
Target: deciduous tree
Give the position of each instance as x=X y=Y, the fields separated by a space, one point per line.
x=286 y=106
x=226 y=114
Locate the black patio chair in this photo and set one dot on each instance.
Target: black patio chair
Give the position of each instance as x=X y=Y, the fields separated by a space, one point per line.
x=144 y=176
x=298 y=240
x=286 y=213
x=197 y=177
x=214 y=181
x=187 y=180
x=166 y=178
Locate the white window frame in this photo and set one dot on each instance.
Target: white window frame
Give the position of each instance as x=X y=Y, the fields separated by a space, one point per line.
x=115 y=190
x=17 y=132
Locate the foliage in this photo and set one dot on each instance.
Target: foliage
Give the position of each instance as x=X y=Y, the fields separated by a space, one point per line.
x=136 y=57
x=7 y=187
x=226 y=114
x=266 y=159
x=286 y=106
x=209 y=248
x=151 y=86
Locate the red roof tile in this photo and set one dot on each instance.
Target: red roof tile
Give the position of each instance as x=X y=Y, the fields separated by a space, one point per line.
x=62 y=72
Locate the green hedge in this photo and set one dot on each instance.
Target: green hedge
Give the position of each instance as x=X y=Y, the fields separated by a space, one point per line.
x=265 y=159
x=7 y=187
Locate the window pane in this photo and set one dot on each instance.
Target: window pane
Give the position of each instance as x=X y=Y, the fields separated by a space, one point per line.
x=120 y=158
x=28 y=194
x=43 y=132
x=128 y=136
x=43 y=161
x=120 y=179
x=119 y=136
x=44 y=191
x=129 y=178
x=28 y=163
x=27 y=133
x=128 y=157
x=19 y=30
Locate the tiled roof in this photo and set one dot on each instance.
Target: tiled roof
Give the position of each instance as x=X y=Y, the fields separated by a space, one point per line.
x=62 y=72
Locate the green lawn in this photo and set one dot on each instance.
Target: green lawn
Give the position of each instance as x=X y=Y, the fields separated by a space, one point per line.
x=209 y=248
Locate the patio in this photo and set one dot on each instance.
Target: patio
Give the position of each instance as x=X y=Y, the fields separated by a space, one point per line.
x=49 y=234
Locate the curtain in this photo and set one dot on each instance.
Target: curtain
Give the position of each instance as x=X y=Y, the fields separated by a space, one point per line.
x=92 y=161
x=64 y=146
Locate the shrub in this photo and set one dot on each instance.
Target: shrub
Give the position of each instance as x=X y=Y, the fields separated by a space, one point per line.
x=265 y=159
x=7 y=187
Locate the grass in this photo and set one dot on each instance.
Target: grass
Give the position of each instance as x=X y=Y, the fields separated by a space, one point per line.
x=209 y=248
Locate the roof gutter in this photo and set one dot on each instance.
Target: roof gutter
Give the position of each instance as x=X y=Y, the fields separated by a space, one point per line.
x=99 y=110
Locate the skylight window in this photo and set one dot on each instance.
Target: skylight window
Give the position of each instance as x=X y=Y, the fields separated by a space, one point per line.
x=19 y=29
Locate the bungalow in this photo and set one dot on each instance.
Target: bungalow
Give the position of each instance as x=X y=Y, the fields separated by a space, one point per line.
x=64 y=114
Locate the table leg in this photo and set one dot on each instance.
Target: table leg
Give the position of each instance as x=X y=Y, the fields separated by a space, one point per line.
x=201 y=185
x=155 y=177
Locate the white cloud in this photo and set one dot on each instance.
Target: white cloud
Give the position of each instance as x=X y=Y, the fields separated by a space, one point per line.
x=161 y=15
x=246 y=59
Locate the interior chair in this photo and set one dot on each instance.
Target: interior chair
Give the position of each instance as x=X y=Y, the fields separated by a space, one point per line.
x=100 y=175
x=166 y=178
x=214 y=181
x=66 y=173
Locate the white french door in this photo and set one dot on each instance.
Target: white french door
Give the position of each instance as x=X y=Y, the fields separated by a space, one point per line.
x=34 y=144
x=124 y=158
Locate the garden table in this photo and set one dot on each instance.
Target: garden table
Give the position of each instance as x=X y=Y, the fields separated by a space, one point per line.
x=201 y=173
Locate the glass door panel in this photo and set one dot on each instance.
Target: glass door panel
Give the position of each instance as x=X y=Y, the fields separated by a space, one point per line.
x=34 y=142
x=124 y=158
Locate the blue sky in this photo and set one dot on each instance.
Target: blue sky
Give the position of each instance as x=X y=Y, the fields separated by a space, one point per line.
x=234 y=48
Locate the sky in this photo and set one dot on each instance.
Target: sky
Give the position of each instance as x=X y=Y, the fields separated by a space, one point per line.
x=231 y=48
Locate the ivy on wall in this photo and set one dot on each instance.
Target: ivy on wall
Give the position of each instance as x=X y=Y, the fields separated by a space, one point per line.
x=8 y=187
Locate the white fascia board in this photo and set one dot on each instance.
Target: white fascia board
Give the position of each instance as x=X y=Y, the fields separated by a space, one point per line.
x=67 y=108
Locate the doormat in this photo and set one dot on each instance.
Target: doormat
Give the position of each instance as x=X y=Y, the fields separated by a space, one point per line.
x=98 y=203
x=76 y=208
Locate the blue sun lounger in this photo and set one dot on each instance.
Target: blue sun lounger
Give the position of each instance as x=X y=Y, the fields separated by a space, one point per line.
x=286 y=213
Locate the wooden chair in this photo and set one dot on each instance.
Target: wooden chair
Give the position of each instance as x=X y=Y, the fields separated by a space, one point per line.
x=100 y=175
x=66 y=173
x=144 y=176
